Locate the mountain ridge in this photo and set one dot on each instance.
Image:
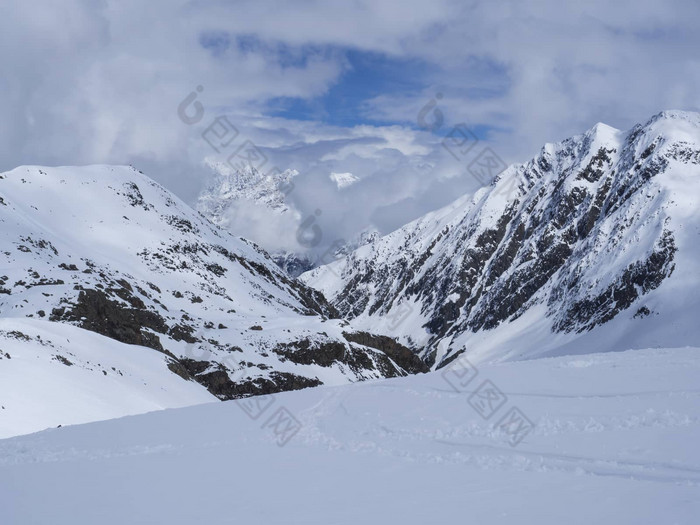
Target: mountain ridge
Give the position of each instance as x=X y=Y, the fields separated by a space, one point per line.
x=538 y=238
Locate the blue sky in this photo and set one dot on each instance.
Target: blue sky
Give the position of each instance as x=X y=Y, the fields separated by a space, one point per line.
x=366 y=75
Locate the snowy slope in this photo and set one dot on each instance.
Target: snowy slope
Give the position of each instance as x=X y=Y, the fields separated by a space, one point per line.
x=108 y=250
x=590 y=246
x=614 y=442
x=52 y=374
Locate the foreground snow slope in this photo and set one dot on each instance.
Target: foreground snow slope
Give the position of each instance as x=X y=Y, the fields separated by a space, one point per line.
x=55 y=374
x=615 y=442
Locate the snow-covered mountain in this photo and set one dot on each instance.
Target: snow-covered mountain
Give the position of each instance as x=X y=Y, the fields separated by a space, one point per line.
x=116 y=298
x=231 y=193
x=590 y=246
x=343 y=180
x=228 y=185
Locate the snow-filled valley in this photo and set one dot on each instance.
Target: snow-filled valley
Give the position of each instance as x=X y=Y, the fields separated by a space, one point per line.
x=614 y=441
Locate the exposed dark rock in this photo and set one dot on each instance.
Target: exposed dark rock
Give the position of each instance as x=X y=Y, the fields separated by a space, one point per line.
x=220 y=384
x=304 y=352
x=182 y=332
x=63 y=360
x=450 y=359
x=642 y=312
x=216 y=269
x=134 y=196
x=179 y=223
x=642 y=276
x=94 y=311
x=401 y=355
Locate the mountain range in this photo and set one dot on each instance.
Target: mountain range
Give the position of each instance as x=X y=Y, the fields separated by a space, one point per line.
x=117 y=298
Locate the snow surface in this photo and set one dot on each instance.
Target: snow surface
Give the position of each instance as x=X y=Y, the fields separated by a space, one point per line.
x=614 y=442
x=343 y=180
x=64 y=374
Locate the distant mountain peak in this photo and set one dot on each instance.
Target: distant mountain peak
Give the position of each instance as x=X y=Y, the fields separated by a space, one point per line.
x=227 y=186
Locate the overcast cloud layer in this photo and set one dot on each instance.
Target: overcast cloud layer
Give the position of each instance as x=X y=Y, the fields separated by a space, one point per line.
x=333 y=87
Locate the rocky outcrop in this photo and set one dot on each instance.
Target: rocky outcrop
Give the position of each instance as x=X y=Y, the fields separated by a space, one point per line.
x=216 y=378
x=95 y=311
x=400 y=354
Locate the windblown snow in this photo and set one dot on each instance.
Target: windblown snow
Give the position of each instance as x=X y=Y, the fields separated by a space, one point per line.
x=614 y=442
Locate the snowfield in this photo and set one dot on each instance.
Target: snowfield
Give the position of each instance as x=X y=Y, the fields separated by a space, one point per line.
x=122 y=321
x=615 y=440
x=55 y=374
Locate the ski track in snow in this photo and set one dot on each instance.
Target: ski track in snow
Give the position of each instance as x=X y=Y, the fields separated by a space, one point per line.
x=615 y=441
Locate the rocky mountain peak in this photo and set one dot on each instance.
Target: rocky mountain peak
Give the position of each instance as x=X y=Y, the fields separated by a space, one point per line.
x=595 y=230
x=228 y=185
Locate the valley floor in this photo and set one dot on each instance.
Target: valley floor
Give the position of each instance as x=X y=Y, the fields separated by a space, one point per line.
x=615 y=440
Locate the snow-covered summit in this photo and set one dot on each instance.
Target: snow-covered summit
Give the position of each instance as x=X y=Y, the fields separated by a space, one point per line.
x=344 y=180
x=228 y=185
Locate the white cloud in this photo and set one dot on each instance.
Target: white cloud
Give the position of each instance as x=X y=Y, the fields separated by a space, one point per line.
x=100 y=82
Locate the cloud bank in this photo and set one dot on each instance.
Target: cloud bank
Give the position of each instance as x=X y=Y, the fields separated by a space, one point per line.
x=367 y=87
